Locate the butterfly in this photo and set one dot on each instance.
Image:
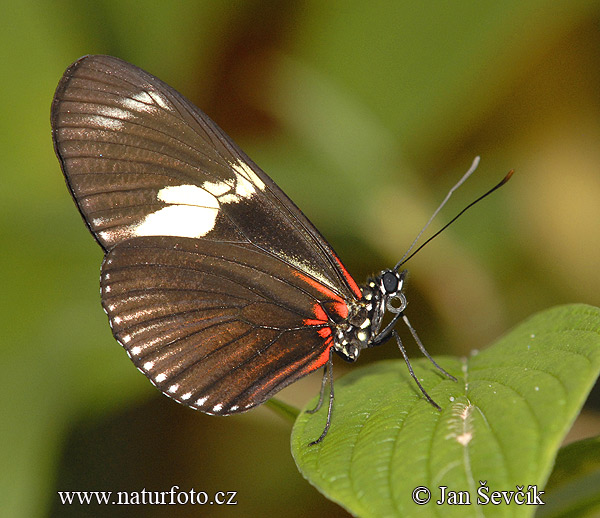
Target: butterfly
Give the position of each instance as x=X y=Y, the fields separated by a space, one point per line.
x=217 y=286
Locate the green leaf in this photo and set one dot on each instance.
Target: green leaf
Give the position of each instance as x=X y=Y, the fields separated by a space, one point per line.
x=572 y=489
x=501 y=424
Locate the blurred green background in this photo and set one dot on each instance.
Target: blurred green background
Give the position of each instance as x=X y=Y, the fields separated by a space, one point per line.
x=365 y=113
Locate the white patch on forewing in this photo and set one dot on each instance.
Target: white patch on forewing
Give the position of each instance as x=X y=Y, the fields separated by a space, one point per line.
x=188 y=195
x=217 y=188
x=191 y=211
x=243 y=169
x=178 y=220
x=244 y=188
x=229 y=198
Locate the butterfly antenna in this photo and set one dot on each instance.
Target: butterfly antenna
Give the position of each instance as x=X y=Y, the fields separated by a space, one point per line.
x=450 y=192
x=485 y=195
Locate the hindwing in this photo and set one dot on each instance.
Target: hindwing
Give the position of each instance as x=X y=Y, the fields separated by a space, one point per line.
x=217 y=326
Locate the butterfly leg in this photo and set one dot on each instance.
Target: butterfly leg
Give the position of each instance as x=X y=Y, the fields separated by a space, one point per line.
x=327 y=374
x=413 y=332
x=322 y=392
x=410 y=370
x=389 y=331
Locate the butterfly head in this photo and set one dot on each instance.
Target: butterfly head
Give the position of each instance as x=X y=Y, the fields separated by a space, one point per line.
x=381 y=294
x=391 y=284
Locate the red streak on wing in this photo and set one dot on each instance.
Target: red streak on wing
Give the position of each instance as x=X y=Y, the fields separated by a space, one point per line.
x=324 y=332
x=313 y=322
x=320 y=313
x=351 y=282
x=320 y=360
x=308 y=368
x=319 y=287
x=341 y=309
x=321 y=320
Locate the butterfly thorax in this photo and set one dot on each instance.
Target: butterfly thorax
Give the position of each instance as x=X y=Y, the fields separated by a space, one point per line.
x=365 y=315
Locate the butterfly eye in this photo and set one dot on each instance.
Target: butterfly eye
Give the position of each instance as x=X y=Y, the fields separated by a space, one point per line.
x=389 y=281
